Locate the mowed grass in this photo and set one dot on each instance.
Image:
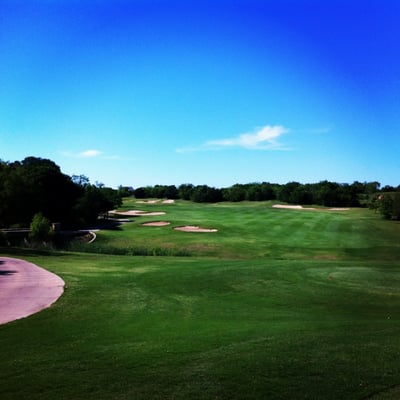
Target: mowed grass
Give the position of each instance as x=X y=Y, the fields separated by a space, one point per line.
x=256 y=230
x=313 y=313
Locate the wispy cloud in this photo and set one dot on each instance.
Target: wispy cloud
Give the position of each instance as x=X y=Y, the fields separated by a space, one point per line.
x=265 y=137
x=261 y=138
x=94 y=154
x=89 y=153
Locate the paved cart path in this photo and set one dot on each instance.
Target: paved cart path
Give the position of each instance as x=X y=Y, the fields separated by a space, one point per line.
x=26 y=289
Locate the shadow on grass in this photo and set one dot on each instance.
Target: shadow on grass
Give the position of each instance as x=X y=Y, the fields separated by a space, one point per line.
x=98 y=248
x=109 y=225
x=28 y=252
x=387 y=253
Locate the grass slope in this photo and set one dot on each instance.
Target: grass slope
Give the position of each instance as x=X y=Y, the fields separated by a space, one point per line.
x=299 y=305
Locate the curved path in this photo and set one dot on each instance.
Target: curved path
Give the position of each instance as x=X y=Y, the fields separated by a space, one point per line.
x=26 y=289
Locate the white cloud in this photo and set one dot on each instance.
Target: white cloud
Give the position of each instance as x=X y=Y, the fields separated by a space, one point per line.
x=89 y=153
x=84 y=154
x=92 y=154
x=265 y=137
x=262 y=138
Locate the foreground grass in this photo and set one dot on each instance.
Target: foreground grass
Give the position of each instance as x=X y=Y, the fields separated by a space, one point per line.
x=288 y=324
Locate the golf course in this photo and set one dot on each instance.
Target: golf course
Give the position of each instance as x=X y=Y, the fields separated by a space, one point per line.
x=252 y=302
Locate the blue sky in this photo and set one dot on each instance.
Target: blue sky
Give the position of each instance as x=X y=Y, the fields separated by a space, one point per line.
x=205 y=92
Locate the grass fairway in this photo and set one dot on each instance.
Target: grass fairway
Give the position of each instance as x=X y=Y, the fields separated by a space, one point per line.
x=278 y=304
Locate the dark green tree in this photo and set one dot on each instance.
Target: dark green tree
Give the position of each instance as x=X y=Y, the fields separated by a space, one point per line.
x=235 y=193
x=185 y=191
x=396 y=206
x=206 y=194
x=125 y=191
x=389 y=205
x=94 y=202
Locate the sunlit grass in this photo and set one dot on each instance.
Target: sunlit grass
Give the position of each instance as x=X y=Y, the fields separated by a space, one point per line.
x=278 y=304
x=249 y=230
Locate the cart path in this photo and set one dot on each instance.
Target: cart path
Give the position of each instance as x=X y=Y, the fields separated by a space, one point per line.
x=26 y=289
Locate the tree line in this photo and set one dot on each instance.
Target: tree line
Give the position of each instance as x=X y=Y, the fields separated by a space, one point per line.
x=323 y=193
x=37 y=186
x=386 y=200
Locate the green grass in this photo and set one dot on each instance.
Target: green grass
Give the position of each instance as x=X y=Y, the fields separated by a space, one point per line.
x=254 y=230
x=278 y=304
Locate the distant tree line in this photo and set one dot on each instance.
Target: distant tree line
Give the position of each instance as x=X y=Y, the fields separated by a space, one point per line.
x=36 y=186
x=323 y=193
x=385 y=200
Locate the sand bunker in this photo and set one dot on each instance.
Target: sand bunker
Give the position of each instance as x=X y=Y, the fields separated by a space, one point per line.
x=156 y=223
x=194 y=228
x=137 y=213
x=147 y=201
x=297 y=207
x=167 y=201
x=291 y=207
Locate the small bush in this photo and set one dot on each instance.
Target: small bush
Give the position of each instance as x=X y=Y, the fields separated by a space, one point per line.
x=41 y=230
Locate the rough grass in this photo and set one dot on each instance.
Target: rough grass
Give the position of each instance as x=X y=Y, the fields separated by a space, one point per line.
x=314 y=313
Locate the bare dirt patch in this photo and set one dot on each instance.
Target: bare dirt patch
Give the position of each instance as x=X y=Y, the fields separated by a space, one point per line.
x=339 y=209
x=156 y=223
x=194 y=228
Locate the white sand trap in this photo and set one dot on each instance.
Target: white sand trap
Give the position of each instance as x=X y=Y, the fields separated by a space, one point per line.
x=194 y=228
x=297 y=207
x=149 y=214
x=147 y=201
x=157 y=223
x=168 y=201
x=137 y=213
x=26 y=289
x=287 y=206
x=292 y=207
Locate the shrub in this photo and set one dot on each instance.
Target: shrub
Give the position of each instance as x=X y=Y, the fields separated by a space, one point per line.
x=41 y=230
x=389 y=205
